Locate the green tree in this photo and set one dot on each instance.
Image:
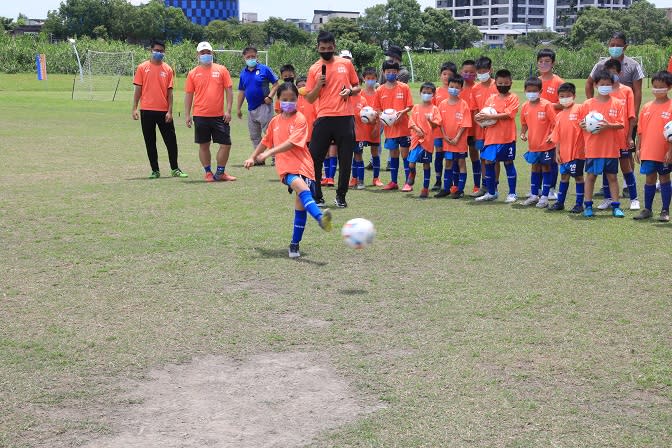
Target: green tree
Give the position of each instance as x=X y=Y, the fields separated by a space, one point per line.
x=363 y=54
x=219 y=31
x=277 y=29
x=439 y=27
x=6 y=23
x=644 y=21
x=373 y=25
x=404 y=22
x=343 y=28
x=250 y=34
x=594 y=23
x=466 y=35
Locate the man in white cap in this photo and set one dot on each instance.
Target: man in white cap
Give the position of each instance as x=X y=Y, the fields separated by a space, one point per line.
x=205 y=88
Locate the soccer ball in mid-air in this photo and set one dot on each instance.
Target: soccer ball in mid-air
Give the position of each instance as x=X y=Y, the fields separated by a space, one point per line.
x=367 y=115
x=388 y=117
x=592 y=121
x=487 y=123
x=667 y=131
x=358 y=233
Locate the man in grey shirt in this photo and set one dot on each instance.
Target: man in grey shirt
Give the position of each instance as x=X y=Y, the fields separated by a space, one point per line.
x=393 y=54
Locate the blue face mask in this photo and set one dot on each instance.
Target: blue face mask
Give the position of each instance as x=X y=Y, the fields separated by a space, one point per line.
x=288 y=106
x=370 y=83
x=391 y=77
x=251 y=62
x=615 y=77
x=615 y=52
x=453 y=91
x=157 y=55
x=426 y=97
x=604 y=90
x=205 y=58
x=532 y=96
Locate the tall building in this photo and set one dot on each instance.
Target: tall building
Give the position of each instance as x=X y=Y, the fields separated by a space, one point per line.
x=203 y=12
x=488 y=14
x=566 y=10
x=250 y=17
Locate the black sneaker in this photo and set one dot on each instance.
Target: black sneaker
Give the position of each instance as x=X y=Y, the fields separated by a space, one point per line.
x=557 y=206
x=644 y=214
x=457 y=195
x=576 y=209
x=442 y=194
x=320 y=203
x=294 y=250
x=437 y=186
x=369 y=167
x=340 y=202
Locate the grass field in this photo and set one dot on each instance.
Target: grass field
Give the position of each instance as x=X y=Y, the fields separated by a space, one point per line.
x=463 y=325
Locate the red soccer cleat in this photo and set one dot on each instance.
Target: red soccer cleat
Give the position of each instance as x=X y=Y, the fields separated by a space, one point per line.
x=391 y=186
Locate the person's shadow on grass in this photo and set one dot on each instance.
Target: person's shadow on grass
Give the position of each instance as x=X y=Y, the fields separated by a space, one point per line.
x=282 y=253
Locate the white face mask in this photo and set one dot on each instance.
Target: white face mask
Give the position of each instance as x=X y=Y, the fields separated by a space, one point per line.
x=566 y=101
x=532 y=96
x=662 y=91
x=605 y=90
x=483 y=77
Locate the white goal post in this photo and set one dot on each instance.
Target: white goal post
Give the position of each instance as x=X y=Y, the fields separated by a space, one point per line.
x=106 y=76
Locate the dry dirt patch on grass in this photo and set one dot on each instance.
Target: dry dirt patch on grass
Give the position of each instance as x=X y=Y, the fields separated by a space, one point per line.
x=267 y=400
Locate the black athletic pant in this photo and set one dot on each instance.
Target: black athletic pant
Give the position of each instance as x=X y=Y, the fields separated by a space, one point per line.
x=342 y=131
x=149 y=119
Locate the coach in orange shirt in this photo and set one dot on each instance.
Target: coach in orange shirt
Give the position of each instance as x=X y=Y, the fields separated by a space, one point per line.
x=331 y=80
x=154 y=91
x=205 y=88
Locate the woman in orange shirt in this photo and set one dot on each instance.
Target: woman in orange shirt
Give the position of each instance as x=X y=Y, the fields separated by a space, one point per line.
x=285 y=139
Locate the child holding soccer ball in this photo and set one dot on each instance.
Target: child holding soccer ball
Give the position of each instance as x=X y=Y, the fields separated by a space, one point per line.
x=286 y=140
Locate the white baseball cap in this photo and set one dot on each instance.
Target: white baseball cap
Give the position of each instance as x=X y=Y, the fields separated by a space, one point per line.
x=204 y=46
x=345 y=54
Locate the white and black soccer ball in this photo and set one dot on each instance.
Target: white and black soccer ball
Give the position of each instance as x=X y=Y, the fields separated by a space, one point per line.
x=367 y=115
x=388 y=117
x=593 y=120
x=490 y=111
x=358 y=233
x=667 y=131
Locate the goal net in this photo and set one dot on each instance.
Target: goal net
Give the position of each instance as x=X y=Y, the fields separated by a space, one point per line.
x=105 y=76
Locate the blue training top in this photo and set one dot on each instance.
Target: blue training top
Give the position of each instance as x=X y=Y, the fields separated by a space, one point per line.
x=255 y=83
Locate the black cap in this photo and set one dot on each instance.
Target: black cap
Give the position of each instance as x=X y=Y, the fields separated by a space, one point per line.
x=394 y=52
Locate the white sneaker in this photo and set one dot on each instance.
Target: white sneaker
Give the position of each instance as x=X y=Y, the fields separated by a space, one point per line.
x=634 y=204
x=528 y=194
x=657 y=185
x=531 y=200
x=543 y=202
x=552 y=195
x=486 y=197
x=511 y=198
x=605 y=204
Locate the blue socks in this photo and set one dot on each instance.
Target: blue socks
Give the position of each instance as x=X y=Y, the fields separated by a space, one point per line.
x=462 y=181
x=588 y=204
x=580 y=187
x=456 y=173
x=665 y=194
x=394 y=169
x=360 y=170
x=207 y=169
x=511 y=176
x=309 y=204
x=327 y=165
x=407 y=170
x=476 y=169
x=375 y=161
x=535 y=180
x=354 y=167
x=490 y=178
x=554 y=174
x=605 y=186
x=562 y=192
x=649 y=193
x=428 y=174
x=220 y=169
x=300 y=218
x=438 y=164
x=632 y=185
x=446 y=179
x=546 y=186
x=333 y=163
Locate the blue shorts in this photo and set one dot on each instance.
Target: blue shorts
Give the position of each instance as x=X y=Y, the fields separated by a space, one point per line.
x=479 y=144
x=602 y=165
x=540 y=158
x=454 y=155
x=289 y=178
x=651 y=167
x=499 y=153
x=397 y=142
x=626 y=153
x=359 y=148
x=573 y=168
x=419 y=155
x=438 y=144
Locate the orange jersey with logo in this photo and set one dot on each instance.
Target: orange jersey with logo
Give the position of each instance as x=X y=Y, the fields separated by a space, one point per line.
x=420 y=116
x=479 y=95
x=503 y=131
x=365 y=132
x=208 y=84
x=155 y=80
x=454 y=117
x=625 y=94
x=608 y=143
x=295 y=130
x=308 y=111
x=652 y=119
x=340 y=74
x=465 y=94
x=539 y=118
x=567 y=135
x=549 y=88
x=398 y=98
x=440 y=95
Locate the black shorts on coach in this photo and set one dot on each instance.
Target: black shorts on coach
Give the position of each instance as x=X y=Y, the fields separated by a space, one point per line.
x=207 y=129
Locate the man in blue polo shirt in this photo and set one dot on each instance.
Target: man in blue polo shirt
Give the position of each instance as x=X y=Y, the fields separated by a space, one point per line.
x=255 y=80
